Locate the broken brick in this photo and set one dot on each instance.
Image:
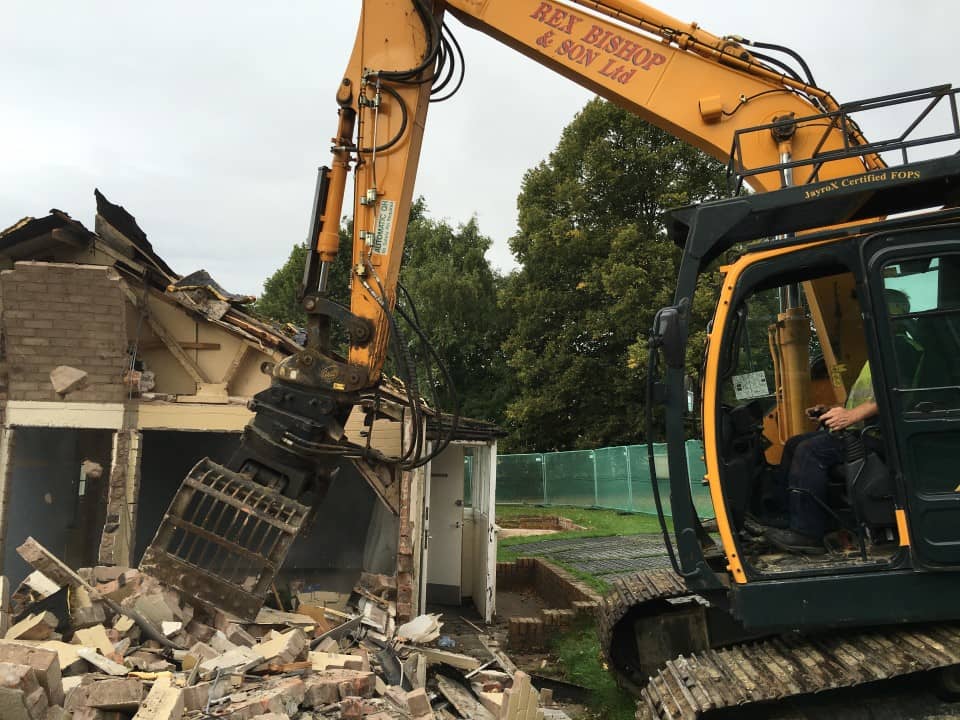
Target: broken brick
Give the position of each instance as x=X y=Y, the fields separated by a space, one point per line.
x=45 y=663
x=116 y=694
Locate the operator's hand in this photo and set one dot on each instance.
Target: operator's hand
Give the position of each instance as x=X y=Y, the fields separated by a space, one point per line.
x=815 y=412
x=839 y=418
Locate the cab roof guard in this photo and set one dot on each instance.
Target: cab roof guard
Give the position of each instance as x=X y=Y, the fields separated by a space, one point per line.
x=938 y=103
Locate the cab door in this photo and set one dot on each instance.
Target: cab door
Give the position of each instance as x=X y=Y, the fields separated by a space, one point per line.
x=914 y=279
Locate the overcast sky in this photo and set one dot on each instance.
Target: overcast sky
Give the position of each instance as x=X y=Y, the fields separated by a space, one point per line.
x=207 y=120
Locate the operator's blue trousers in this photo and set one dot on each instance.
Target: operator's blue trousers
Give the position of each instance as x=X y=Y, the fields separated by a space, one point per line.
x=806 y=460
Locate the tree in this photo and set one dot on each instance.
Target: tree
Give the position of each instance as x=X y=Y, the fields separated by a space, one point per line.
x=454 y=290
x=595 y=266
x=279 y=298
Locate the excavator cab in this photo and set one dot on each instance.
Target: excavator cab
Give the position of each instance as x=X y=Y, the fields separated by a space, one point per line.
x=826 y=288
x=832 y=288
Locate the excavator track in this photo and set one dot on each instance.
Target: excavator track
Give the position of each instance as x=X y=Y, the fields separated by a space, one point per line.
x=789 y=667
x=781 y=669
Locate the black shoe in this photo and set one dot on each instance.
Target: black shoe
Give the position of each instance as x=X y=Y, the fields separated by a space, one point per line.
x=795 y=542
x=770 y=520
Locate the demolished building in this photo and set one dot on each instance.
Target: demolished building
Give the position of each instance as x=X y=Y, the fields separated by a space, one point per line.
x=166 y=367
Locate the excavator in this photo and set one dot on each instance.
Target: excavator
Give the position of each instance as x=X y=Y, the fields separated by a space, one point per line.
x=823 y=230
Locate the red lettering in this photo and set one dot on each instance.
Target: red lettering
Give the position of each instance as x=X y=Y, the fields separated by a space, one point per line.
x=655 y=59
x=613 y=44
x=593 y=35
x=627 y=50
x=641 y=53
x=577 y=52
x=563 y=21
x=619 y=73
x=541 y=12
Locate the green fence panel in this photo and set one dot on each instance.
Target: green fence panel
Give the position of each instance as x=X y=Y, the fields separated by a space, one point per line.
x=617 y=478
x=698 y=487
x=571 y=478
x=613 y=478
x=522 y=479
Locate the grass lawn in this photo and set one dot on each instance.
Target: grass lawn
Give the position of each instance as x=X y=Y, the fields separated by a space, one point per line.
x=576 y=653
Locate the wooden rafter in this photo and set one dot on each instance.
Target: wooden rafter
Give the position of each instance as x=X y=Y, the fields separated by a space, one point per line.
x=188 y=363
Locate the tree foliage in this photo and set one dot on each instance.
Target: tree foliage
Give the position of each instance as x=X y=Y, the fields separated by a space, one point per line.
x=454 y=290
x=595 y=267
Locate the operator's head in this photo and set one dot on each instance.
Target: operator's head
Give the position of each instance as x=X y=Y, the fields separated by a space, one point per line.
x=898 y=302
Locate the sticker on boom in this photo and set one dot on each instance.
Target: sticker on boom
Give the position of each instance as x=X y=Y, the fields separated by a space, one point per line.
x=381 y=239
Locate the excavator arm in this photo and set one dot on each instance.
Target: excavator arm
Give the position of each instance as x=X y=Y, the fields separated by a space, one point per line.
x=697 y=86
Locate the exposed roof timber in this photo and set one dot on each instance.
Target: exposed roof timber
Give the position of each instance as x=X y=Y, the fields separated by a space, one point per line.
x=182 y=357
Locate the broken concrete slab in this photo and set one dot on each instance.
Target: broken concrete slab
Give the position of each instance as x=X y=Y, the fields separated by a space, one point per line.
x=237 y=658
x=66 y=379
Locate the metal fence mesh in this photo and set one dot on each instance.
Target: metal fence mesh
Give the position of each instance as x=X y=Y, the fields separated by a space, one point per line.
x=617 y=478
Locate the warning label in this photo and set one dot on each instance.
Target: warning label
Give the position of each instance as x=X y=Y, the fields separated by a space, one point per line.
x=750 y=385
x=381 y=239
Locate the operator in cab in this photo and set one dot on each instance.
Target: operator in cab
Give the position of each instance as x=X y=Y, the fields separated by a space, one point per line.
x=807 y=458
x=805 y=464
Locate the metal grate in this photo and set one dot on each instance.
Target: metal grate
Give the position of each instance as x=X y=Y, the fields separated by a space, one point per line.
x=223 y=539
x=932 y=119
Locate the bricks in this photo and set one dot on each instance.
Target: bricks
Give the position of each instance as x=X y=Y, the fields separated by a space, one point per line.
x=165 y=701
x=330 y=686
x=526 y=633
x=45 y=663
x=62 y=314
x=285 y=648
x=419 y=704
x=282 y=697
x=21 y=697
x=116 y=694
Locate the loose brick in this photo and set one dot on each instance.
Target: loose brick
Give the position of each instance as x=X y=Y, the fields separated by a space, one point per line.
x=45 y=663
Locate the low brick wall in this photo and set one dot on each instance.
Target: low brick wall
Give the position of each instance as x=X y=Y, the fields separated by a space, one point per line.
x=539 y=522
x=569 y=597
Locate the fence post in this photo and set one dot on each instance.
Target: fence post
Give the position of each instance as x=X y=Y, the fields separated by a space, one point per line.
x=626 y=451
x=543 y=474
x=596 y=493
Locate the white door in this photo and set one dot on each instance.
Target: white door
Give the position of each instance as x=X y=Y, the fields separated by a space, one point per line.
x=446 y=527
x=484 y=529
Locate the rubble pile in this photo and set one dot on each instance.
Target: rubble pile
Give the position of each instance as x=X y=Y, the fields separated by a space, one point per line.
x=111 y=643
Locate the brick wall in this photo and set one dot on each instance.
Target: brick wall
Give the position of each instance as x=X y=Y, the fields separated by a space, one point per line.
x=405 y=549
x=63 y=314
x=569 y=597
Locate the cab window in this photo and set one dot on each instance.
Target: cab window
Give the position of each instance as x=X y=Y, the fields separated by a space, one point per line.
x=922 y=298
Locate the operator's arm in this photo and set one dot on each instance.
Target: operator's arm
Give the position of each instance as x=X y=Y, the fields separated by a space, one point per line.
x=839 y=418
